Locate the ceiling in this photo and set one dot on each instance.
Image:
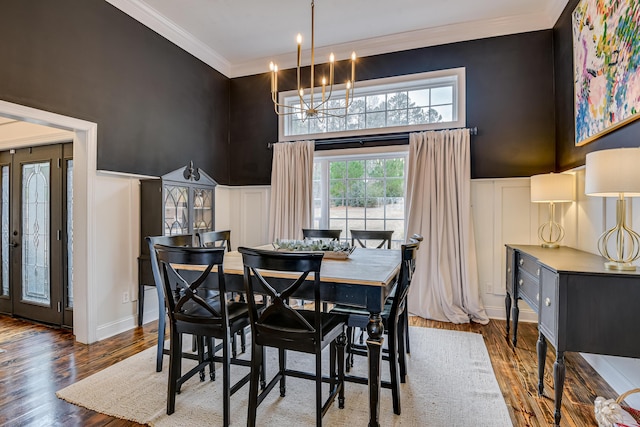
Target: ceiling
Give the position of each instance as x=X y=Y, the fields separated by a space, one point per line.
x=241 y=37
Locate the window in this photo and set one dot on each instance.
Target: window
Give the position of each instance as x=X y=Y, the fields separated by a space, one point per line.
x=425 y=101
x=360 y=191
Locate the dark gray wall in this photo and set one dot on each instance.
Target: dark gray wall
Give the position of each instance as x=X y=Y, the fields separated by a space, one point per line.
x=568 y=154
x=157 y=107
x=509 y=98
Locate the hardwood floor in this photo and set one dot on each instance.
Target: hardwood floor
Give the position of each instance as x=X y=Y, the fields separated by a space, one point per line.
x=36 y=361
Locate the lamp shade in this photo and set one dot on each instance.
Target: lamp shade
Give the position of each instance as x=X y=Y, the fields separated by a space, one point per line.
x=612 y=172
x=552 y=187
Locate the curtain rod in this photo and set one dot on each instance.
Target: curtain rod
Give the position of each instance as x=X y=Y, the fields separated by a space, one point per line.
x=372 y=138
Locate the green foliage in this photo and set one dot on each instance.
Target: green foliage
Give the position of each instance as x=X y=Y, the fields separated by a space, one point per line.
x=367 y=183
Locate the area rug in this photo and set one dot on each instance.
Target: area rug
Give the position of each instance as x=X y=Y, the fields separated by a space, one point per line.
x=450 y=383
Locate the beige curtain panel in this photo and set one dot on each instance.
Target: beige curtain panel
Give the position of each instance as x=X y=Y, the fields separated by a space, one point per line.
x=445 y=285
x=291 y=207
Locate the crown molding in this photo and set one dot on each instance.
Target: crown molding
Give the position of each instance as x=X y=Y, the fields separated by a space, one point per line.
x=151 y=18
x=407 y=40
x=554 y=10
x=145 y=14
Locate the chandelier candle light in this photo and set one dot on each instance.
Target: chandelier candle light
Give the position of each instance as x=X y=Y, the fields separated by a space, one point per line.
x=313 y=108
x=552 y=188
x=616 y=173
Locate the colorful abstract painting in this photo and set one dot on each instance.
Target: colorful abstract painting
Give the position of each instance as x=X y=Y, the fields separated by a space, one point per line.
x=606 y=57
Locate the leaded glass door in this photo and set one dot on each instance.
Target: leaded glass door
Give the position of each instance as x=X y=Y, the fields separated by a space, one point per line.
x=37 y=270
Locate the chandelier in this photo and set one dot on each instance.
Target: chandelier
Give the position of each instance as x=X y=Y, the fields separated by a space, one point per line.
x=316 y=105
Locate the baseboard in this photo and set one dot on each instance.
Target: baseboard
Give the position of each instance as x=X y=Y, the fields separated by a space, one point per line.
x=110 y=329
x=498 y=313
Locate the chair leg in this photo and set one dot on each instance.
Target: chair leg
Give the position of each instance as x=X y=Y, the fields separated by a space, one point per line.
x=175 y=354
x=393 y=366
x=199 y=341
x=318 y=389
x=226 y=380
x=243 y=339
x=402 y=352
x=333 y=376
x=140 y=303
x=161 y=331
x=211 y=343
x=256 y=367
x=350 y=338
x=341 y=341
x=406 y=331
x=282 y=360
x=263 y=370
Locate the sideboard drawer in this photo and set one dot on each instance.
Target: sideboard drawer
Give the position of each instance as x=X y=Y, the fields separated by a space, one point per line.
x=528 y=288
x=528 y=264
x=549 y=304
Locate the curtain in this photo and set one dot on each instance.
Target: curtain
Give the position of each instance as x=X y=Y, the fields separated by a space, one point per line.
x=291 y=207
x=445 y=286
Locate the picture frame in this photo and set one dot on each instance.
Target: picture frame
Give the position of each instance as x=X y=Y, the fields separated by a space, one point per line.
x=606 y=63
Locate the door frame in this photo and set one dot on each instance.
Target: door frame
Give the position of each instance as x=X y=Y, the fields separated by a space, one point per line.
x=85 y=318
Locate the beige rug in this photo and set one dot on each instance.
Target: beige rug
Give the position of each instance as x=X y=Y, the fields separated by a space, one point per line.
x=450 y=383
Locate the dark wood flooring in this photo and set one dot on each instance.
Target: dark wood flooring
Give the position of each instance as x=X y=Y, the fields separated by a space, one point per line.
x=36 y=361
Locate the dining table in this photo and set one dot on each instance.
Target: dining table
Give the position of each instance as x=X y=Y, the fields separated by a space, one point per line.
x=364 y=279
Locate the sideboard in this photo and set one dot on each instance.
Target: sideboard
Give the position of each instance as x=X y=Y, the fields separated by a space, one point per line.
x=581 y=305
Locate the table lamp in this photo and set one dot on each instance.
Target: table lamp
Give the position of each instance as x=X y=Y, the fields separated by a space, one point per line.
x=552 y=188
x=616 y=173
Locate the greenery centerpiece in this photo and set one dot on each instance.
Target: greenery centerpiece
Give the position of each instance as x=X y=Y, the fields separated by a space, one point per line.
x=331 y=248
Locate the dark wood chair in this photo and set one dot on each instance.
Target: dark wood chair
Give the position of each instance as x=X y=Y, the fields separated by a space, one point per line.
x=218 y=239
x=285 y=328
x=314 y=233
x=215 y=239
x=192 y=311
x=177 y=240
x=394 y=325
x=380 y=237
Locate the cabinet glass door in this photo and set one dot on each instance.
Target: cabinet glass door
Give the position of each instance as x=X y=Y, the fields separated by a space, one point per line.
x=176 y=210
x=202 y=209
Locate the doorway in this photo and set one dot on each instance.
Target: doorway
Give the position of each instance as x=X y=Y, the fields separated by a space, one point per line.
x=36 y=223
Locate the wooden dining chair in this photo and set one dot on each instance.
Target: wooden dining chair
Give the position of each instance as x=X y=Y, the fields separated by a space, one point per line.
x=288 y=329
x=394 y=325
x=176 y=240
x=194 y=312
x=315 y=233
x=222 y=238
x=381 y=238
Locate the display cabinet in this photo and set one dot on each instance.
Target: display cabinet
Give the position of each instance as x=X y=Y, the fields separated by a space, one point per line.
x=180 y=202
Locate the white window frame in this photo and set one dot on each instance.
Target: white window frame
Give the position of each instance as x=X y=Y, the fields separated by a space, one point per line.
x=390 y=84
x=325 y=156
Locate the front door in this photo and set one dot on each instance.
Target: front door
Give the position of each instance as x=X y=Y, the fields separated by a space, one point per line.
x=35 y=254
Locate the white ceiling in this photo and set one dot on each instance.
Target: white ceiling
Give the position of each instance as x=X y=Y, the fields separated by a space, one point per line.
x=240 y=37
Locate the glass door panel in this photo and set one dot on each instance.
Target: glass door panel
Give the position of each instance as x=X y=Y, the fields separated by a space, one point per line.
x=176 y=208
x=36 y=235
x=202 y=209
x=4 y=187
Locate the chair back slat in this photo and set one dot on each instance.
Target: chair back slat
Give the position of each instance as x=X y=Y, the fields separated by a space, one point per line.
x=362 y=236
x=215 y=239
x=314 y=233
